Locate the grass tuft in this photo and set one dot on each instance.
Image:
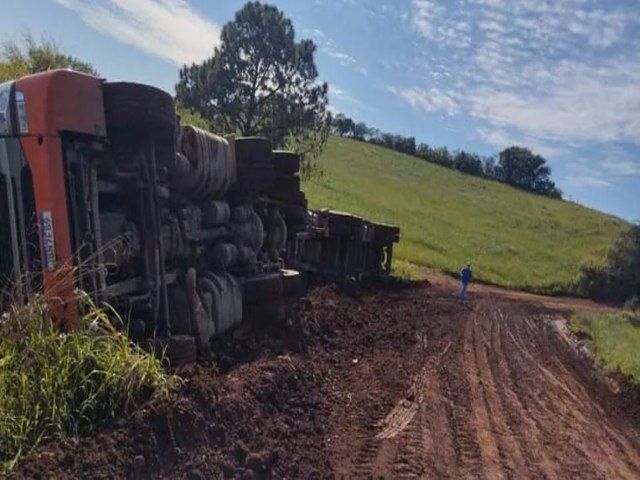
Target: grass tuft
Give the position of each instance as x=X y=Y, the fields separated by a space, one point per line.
x=407 y=271
x=614 y=339
x=56 y=385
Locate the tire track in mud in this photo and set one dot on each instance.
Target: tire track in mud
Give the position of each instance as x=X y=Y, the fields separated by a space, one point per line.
x=526 y=428
x=424 y=431
x=502 y=401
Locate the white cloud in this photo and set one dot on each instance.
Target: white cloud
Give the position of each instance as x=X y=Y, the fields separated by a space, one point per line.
x=618 y=165
x=334 y=90
x=490 y=3
x=333 y=110
x=534 y=71
x=337 y=93
x=502 y=139
x=169 y=29
x=586 y=181
x=332 y=50
x=431 y=100
x=430 y=19
x=329 y=47
x=572 y=102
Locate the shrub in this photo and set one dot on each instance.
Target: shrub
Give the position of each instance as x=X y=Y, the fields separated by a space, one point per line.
x=57 y=385
x=618 y=279
x=614 y=338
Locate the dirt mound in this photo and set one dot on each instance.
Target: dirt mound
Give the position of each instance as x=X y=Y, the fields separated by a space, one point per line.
x=259 y=410
x=258 y=422
x=377 y=380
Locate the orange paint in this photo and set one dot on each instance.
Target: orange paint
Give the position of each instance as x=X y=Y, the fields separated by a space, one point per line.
x=62 y=100
x=58 y=101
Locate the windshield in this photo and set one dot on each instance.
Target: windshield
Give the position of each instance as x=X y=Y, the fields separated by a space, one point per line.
x=5 y=116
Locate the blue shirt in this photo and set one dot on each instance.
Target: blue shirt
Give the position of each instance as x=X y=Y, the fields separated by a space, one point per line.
x=466 y=275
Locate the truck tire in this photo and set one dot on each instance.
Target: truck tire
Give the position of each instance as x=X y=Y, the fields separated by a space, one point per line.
x=256 y=177
x=180 y=350
x=262 y=288
x=179 y=312
x=286 y=188
x=134 y=106
x=289 y=183
x=223 y=255
x=252 y=150
x=175 y=351
x=286 y=162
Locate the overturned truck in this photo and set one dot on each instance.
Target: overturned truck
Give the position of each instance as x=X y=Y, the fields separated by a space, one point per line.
x=185 y=232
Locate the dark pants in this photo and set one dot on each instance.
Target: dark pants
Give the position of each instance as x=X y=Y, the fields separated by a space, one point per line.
x=463 y=290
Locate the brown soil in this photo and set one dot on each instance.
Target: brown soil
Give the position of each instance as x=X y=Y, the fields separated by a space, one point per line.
x=382 y=381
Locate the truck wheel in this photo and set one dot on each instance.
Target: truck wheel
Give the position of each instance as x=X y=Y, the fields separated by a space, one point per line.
x=178 y=312
x=286 y=162
x=135 y=106
x=262 y=288
x=252 y=150
x=288 y=183
x=286 y=188
x=180 y=350
x=256 y=177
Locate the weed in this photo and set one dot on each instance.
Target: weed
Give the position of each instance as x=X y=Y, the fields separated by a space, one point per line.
x=614 y=338
x=407 y=271
x=56 y=385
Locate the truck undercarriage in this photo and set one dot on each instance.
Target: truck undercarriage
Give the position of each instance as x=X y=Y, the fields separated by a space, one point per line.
x=182 y=231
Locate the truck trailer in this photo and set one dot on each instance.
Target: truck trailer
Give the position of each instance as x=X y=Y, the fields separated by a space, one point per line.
x=184 y=232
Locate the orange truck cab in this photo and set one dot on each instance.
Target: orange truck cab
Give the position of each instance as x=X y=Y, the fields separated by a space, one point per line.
x=40 y=118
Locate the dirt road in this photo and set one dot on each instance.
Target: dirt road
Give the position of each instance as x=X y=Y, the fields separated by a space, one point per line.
x=383 y=381
x=495 y=395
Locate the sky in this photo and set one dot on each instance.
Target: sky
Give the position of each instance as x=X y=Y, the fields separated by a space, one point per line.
x=559 y=77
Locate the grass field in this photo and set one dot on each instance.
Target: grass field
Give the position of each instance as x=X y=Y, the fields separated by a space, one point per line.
x=614 y=339
x=514 y=239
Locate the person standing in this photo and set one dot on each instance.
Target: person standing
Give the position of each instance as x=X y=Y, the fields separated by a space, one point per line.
x=465 y=278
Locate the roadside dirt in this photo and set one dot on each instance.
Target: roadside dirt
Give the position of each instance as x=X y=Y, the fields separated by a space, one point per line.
x=559 y=303
x=378 y=381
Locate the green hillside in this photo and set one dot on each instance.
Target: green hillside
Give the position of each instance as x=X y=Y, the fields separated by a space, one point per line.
x=513 y=238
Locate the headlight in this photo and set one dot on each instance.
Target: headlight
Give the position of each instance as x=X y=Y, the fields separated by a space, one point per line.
x=21 y=109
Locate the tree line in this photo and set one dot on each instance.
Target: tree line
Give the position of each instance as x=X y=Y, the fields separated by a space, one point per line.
x=516 y=166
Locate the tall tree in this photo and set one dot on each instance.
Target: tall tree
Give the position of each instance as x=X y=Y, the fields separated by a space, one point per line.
x=467 y=163
x=360 y=130
x=343 y=125
x=260 y=81
x=31 y=56
x=519 y=167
